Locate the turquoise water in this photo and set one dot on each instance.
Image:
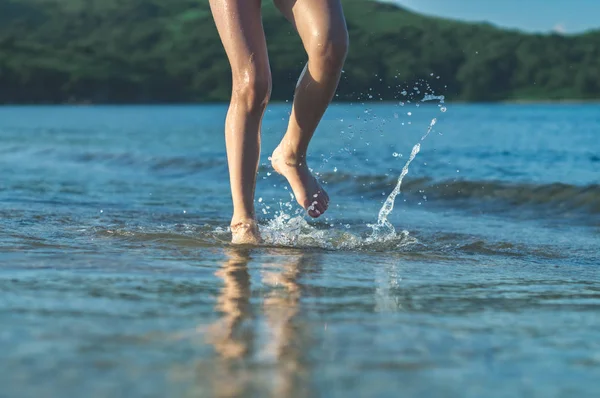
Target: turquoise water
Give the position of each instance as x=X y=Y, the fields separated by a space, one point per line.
x=117 y=279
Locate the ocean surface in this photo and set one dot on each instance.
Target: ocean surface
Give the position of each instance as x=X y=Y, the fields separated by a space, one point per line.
x=483 y=280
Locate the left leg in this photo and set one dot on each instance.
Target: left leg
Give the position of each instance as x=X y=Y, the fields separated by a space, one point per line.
x=322 y=28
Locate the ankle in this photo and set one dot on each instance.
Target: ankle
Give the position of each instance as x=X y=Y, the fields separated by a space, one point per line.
x=289 y=156
x=242 y=220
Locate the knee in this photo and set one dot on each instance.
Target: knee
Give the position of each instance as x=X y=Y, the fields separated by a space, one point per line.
x=252 y=89
x=329 y=50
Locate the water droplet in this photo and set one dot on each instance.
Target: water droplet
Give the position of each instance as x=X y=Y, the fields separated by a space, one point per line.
x=443 y=109
x=404 y=92
x=185 y=211
x=260 y=200
x=268 y=174
x=409 y=113
x=101 y=211
x=335 y=169
x=396 y=154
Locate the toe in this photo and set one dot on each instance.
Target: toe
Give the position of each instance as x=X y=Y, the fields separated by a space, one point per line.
x=314 y=209
x=321 y=207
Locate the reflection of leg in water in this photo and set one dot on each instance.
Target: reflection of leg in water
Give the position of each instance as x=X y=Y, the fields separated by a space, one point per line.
x=232 y=336
x=288 y=342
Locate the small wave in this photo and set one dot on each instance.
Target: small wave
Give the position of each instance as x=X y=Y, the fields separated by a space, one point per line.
x=559 y=197
x=185 y=164
x=159 y=165
x=294 y=232
x=121 y=159
x=285 y=231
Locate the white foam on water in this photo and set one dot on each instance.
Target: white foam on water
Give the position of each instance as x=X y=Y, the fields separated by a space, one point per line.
x=295 y=231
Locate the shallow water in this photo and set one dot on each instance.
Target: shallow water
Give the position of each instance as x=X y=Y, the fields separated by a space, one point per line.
x=117 y=278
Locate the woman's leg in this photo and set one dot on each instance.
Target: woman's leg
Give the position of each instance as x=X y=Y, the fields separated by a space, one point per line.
x=322 y=28
x=240 y=27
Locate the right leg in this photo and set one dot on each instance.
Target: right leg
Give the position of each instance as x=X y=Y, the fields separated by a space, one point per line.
x=240 y=27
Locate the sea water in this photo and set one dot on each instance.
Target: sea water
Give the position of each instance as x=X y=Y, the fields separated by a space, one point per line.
x=462 y=265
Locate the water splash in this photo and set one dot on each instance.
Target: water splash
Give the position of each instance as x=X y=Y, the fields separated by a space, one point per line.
x=384 y=229
x=294 y=231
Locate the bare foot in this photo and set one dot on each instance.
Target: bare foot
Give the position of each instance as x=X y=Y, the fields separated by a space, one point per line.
x=245 y=232
x=309 y=193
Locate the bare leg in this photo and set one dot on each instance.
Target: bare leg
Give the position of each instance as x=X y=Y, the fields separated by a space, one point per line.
x=322 y=28
x=240 y=28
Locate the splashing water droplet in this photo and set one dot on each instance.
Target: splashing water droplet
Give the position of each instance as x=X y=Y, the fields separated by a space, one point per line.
x=431 y=97
x=443 y=109
x=384 y=227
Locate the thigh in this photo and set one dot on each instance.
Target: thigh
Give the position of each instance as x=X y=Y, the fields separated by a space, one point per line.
x=240 y=28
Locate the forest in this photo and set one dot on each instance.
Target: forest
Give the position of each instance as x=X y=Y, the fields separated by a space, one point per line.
x=154 y=51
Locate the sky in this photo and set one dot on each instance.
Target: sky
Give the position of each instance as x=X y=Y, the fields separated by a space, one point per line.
x=563 y=16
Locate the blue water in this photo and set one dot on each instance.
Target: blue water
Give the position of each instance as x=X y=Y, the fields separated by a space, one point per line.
x=117 y=279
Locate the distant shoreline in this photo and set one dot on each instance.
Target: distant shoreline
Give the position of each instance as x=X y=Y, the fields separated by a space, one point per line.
x=454 y=102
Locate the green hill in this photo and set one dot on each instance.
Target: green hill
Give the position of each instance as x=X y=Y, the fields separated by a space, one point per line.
x=55 y=51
